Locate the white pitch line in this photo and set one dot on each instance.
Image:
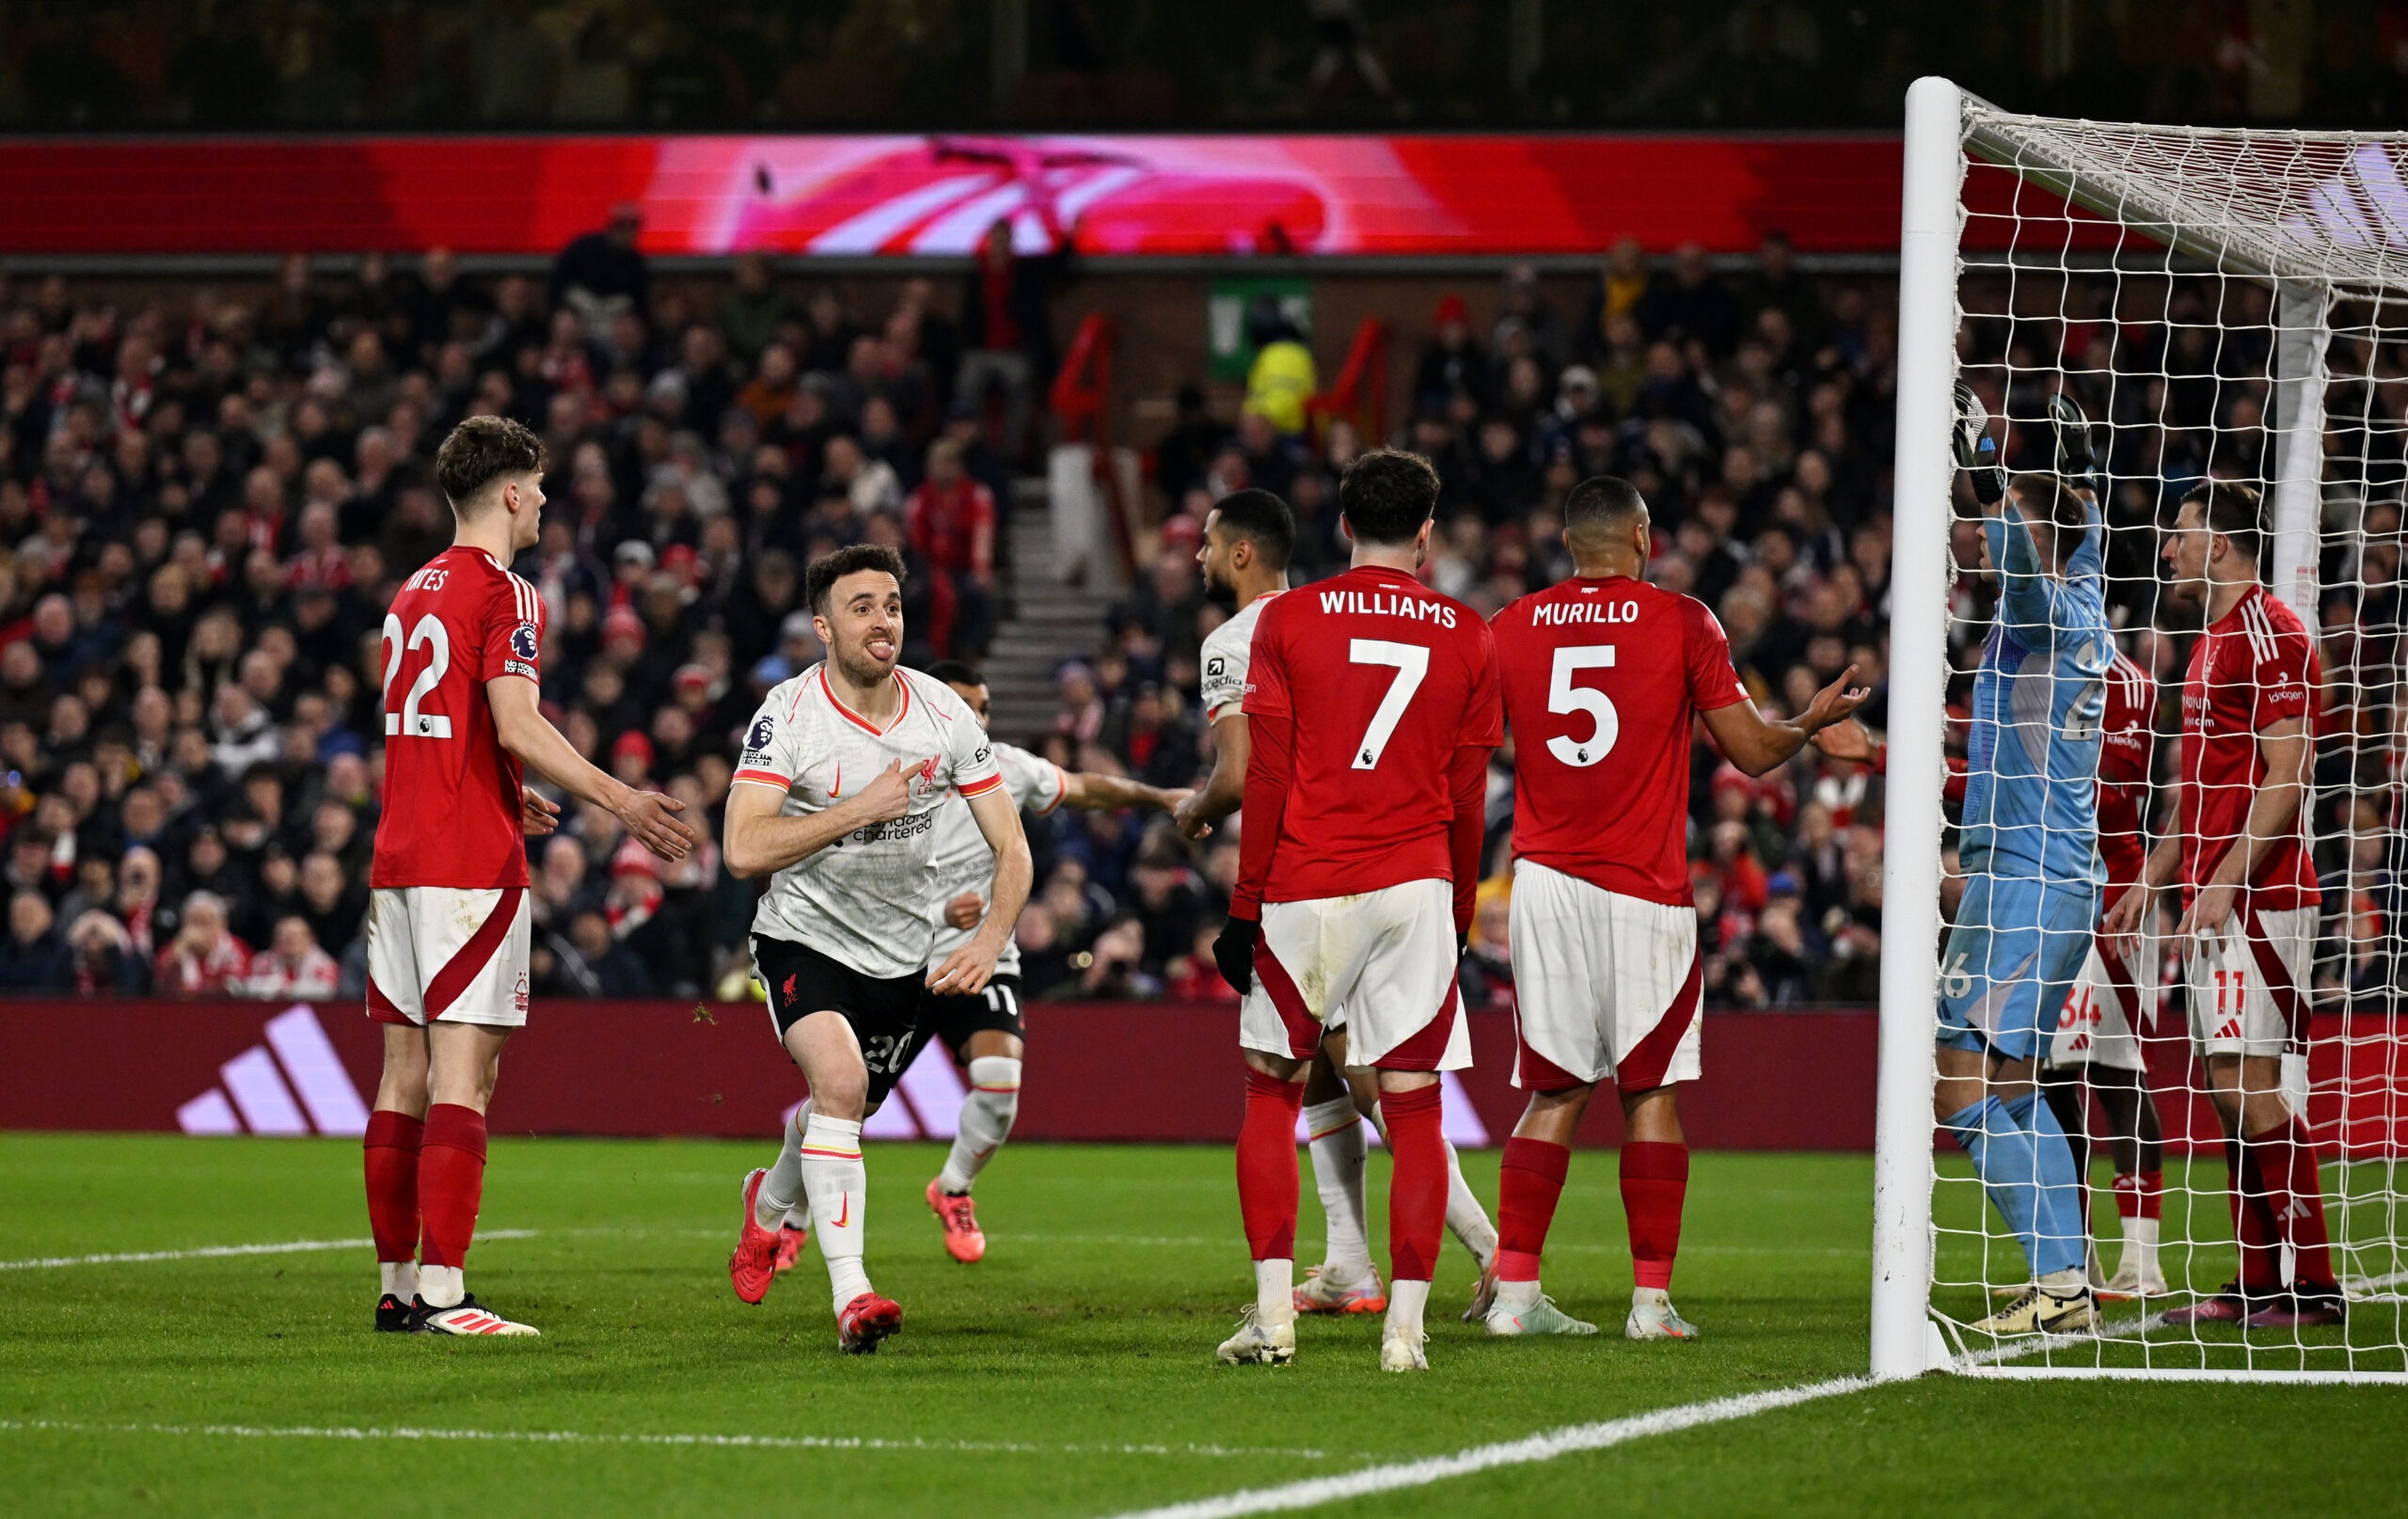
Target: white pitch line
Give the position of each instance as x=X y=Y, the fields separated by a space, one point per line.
x=288 y=1247
x=1545 y=1445
x=737 y=1442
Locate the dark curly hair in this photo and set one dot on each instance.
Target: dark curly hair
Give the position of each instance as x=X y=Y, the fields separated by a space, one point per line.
x=481 y=451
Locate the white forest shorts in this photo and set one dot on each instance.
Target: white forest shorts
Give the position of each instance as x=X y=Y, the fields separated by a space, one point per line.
x=2101 y=1021
x=1379 y=964
x=2248 y=983
x=447 y=953
x=1605 y=985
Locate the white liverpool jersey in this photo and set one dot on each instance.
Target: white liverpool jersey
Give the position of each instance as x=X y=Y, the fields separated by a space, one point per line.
x=1228 y=652
x=965 y=863
x=863 y=900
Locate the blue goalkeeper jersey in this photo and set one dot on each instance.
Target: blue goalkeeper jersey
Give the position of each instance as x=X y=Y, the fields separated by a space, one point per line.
x=2032 y=771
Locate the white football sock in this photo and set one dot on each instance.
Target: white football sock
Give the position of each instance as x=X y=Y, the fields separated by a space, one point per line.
x=838 y=1186
x=2072 y=1279
x=441 y=1287
x=783 y=1187
x=1274 y=1292
x=1464 y=1216
x=1517 y=1296
x=2140 y=1246
x=1338 y=1150
x=986 y=1120
x=398 y=1277
x=1405 y=1302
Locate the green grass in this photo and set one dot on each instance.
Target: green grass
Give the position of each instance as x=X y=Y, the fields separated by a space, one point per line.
x=1090 y=1327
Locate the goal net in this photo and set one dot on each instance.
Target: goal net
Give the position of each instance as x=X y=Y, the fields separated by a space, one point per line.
x=2222 y=306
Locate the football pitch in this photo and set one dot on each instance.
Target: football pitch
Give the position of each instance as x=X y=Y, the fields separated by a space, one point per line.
x=1070 y=1373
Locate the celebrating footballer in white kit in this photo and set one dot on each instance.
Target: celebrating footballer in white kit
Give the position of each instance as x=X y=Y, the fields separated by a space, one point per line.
x=1603 y=677
x=836 y=795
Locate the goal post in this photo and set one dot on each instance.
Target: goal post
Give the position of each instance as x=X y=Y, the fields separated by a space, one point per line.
x=2271 y=270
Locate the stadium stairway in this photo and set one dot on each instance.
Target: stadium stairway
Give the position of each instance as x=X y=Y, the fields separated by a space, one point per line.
x=1048 y=622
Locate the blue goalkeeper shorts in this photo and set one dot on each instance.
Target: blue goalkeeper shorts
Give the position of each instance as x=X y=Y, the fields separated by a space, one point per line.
x=2015 y=953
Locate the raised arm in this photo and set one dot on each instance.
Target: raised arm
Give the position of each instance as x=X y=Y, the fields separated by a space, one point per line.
x=756 y=841
x=966 y=969
x=1756 y=743
x=647 y=816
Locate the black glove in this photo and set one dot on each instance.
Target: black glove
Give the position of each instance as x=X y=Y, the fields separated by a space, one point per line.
x=2077 y=458
x=1463 y=945
x=1233 y=952
x=1977 y=450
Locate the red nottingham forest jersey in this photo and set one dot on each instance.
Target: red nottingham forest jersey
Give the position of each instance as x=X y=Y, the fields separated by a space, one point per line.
x=2252 y=670
x=451 y=804
x=1390 y=689
x=2127 y=740
x=1602 y=678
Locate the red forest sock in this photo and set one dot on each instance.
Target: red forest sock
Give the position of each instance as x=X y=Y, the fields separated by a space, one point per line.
x=1267 y=1183
x=2253 y=1221
x=1655 y=1184
x=1418 y=1186
x=2140 y=1194
x=450 y=1183
x=388 y=1153
x=2294 y=1195
x=1529 y=1183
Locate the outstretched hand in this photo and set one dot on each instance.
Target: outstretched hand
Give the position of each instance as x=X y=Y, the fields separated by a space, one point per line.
x=647 y=817
x=1835 y=703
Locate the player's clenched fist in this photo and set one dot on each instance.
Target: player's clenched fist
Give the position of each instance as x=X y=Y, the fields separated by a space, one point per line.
x=646 y=816
x=965 y=910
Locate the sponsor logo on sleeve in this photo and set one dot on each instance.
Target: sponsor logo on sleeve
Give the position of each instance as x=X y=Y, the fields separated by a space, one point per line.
x=1215 y=667
x=984 y=754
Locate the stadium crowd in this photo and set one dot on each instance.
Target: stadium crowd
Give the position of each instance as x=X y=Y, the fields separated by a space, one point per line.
x=206 y=502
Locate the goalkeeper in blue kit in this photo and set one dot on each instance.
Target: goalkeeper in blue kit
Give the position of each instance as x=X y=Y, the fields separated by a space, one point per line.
x=2029 y=849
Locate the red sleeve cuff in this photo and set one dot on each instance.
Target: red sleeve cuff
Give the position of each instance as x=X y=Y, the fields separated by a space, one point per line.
x=979 y=788
x=763 y=778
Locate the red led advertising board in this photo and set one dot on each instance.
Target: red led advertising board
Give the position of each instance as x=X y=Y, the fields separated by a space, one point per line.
x=1426 y=195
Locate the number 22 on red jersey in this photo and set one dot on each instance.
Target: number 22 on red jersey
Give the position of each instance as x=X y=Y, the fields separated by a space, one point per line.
x=451 y=792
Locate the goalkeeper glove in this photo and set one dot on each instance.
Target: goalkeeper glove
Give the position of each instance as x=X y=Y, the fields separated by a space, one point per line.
x=2077 y=461
x=1233 y=952
x=1977 y=450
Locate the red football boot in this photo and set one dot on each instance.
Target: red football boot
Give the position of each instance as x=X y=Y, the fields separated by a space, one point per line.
x=790 y=1244
x=964 y=1240
x=866 y=1319
x=753 y=1265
